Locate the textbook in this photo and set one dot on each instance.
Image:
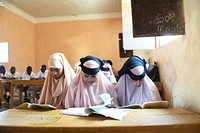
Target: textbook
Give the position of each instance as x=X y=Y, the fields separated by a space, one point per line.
x=35 y=106
x=103 y=110
x=148 y=105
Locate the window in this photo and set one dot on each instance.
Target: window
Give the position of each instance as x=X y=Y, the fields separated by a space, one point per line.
x=3 y=52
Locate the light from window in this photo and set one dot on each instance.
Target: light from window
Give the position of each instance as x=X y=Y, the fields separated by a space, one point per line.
x=3 y=52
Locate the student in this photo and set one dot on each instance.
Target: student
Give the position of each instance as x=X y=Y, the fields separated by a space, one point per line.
x=89 y=83
x=57 y=82
x=134 y=86
x=3 y=73
x=42 y=74
x=114 y=71
x=13 y=74
x=28 y=74
x=107 y=71
x=77 y=67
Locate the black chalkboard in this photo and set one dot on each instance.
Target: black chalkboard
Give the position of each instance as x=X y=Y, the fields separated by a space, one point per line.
x=157 y=17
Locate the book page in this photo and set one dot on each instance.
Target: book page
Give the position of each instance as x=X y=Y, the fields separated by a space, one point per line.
x=153 y=104
x=114 y=113
x=35 y=106
x=133 y=106
x=77 y=111
x=106 y=99
x=156 y=104
x=42 y=106
x=118 y=114
x=23 y=106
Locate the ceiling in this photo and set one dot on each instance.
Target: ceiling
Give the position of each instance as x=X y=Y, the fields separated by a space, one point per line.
x=58 y=10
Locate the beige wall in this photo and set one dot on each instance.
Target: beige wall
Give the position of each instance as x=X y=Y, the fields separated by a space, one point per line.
x=179 y=62
x=77 y=39
x=31 y=44
x=20 y=34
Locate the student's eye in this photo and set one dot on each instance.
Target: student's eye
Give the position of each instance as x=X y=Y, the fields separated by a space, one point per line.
x=86 y=76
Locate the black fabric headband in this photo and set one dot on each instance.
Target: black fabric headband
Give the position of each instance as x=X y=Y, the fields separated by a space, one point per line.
x=91 y=71
x=131 y=63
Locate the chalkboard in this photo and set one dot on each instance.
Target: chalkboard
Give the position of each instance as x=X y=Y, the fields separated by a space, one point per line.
x=157 y=17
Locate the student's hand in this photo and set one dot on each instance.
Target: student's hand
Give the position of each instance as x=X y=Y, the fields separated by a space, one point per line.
x=112 y=105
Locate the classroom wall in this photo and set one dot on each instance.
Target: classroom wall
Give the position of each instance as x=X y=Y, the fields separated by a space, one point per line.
x=20 y=35
x=31 y=44
x=179 y=62
x=80 y=38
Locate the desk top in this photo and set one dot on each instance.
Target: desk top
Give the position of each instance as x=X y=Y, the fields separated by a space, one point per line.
x=139 y=120
x=20 y=81
x=28 y=82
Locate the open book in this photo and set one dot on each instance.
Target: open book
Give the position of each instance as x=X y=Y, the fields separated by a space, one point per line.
x=114 y=113
x=35 y=106
x=148 y=105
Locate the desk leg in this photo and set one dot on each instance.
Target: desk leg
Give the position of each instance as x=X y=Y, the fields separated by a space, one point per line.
x=20 y=93
x=2 y=93
x=11 y=95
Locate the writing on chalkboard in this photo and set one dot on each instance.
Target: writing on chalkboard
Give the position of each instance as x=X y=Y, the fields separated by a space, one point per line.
x=157 y=17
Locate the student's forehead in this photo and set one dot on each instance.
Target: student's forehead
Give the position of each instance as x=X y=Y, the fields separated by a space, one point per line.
x=54 y=68
x=90 y=75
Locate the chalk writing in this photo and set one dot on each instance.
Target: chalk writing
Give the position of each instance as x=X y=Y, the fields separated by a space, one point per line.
x=161 y=18
x=157 y=17
x=173 y=29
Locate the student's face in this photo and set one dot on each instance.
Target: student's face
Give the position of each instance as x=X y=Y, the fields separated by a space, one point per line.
x=56 y=72
x=29 y=70
x=43 y=69
x=12 y=70
x=137 y=83
x=89 y=79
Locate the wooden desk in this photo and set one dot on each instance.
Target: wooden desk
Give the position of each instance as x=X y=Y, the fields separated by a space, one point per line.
x=2 y=92
x=22 y=82
x=169 y=120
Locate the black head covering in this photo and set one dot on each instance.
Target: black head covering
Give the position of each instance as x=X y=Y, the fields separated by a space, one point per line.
x=91 y=71
x=132 y=62
x=2 y=69
x=106 y=69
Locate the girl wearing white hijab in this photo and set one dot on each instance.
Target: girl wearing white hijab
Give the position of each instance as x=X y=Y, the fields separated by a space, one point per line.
x=89 y=83
x=134 y=86
x=57 y=82
x=107 y=71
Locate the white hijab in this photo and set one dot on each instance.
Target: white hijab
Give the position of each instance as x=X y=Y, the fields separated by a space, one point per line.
x=128 y=93
x=81 y=95
x=54 y=90
x=134 y=86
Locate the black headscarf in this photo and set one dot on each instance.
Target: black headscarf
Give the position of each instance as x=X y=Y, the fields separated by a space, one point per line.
x=91 y=71
x=132 y=62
